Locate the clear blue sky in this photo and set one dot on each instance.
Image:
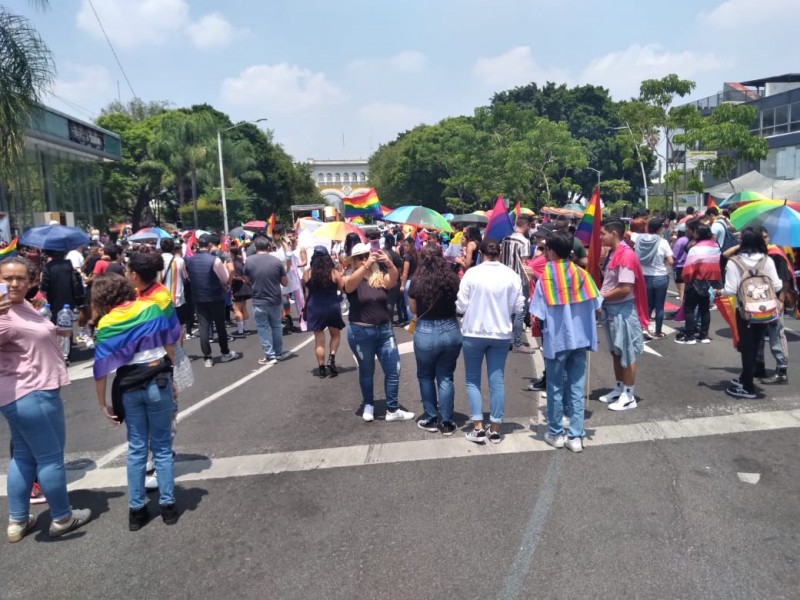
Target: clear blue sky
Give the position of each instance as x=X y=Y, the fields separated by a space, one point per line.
x=337 y=79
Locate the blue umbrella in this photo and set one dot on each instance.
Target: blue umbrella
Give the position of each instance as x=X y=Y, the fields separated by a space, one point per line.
x=56 y=238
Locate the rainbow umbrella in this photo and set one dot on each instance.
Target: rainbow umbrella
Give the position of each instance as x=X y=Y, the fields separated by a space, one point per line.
x=419 y=216
x=776 y=216
x=742 y=197
x=149 y=234
x=337 y=230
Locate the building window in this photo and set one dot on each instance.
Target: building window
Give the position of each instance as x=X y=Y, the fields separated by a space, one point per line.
x=329 y=178
x=363 y=176
x=346 y=177
x=321 y=178
x=355 y=176
x=794 y=116
x=338 y=178
x=768 y=122
x=782 y=119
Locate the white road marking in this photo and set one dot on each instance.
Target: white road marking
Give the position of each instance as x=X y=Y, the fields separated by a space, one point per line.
x=752 y=478
x=437 y=449
x=118 y=451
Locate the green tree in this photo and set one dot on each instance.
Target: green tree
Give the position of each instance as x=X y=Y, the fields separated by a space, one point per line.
x=26 y=71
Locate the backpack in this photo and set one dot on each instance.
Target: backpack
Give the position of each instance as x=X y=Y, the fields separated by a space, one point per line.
x=729 y=241
x=756 y=298
x=78 y=290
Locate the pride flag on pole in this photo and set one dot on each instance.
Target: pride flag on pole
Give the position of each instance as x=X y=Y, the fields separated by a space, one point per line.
x=363 y=204
x=271 y=224
x=10 y=250
x=517 y=212
x=499 y=225
x=711 y=203
x=588 y=232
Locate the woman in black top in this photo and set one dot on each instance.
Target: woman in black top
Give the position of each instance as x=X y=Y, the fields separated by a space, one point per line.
x=437 y=338
x=241 y=291
x=322 y=311
x=410 y=260
x=370 y=334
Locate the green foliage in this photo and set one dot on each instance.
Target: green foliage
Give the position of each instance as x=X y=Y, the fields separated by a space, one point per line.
x=620 y=208
x=26 y=72
x=613 y=190
x=209 y=214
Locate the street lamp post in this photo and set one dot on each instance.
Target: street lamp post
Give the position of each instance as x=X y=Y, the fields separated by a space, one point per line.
x=222 y=172
x=641 y=163
x=598 y=175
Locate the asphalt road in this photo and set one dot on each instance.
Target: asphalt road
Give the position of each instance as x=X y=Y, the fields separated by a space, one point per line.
x=286 y=493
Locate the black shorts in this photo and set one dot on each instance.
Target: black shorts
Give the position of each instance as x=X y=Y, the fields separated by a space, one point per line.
x=184 y=313
x=678 y=274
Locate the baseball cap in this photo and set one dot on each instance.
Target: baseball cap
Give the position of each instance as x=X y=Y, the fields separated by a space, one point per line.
x=359 y=249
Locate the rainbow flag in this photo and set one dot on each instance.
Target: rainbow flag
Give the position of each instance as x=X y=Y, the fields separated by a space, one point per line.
x=727 y=308
x=517 y=212
x=270 y=224
x=363 y=204
x=711 y=203
x=127 y=329
x=385 y=210
x=588 y=232
x=10 y=250
x=499 y=225
x=565 y=283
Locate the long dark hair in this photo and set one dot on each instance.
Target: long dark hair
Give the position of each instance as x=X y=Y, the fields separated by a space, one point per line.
x=474 y=234
x=350 y=240
x=752 y=242
x=434 y=278
x=321 y=268
x=411 y=251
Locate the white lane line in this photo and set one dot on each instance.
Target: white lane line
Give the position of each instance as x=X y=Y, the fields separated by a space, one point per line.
x=118 y=451
x=437 y=449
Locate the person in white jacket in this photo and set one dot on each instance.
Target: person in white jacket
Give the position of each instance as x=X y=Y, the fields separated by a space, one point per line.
x=489 y=295
x=752 y=249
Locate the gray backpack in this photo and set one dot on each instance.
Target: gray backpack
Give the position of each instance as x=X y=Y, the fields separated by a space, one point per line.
x=756 y=298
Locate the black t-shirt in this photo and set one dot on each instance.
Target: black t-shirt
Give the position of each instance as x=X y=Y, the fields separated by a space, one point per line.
x=116 y=267
x=369 y=305
x=445 y=307
x=412 y=265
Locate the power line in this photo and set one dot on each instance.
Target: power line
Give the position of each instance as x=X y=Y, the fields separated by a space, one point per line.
x=114 y=52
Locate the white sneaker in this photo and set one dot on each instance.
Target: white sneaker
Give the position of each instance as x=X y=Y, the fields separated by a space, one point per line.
x=150 y=466
x=369 y=413
x=399 y=415
x=574 y=444
x=229 y=356
x=624 y=402
x=151 y=483
x=611 y=396
x=556 y=441
x=208 y=363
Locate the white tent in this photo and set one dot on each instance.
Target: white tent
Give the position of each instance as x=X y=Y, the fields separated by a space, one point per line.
x=782 y=189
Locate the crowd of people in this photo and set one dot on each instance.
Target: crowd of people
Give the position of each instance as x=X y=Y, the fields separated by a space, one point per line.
x=139 y=305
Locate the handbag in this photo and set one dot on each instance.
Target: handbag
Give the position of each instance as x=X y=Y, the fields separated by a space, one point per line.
x=182 y=373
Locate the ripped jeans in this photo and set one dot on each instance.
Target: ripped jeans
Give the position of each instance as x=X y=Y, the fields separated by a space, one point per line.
x=367 y=343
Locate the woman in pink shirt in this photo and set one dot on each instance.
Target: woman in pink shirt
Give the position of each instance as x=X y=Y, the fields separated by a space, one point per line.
x=32 y=372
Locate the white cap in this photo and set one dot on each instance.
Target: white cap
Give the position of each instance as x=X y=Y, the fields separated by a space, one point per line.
x=360 y=248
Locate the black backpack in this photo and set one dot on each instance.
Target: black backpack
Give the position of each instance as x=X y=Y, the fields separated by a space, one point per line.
x=78 y=290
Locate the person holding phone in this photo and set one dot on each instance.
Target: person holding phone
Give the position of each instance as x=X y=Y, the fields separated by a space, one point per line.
x=32 y=372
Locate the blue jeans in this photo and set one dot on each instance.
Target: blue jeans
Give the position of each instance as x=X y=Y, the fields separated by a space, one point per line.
x=656 y=286
x=270 y=328
x=495 y=351
x=36 y=422
x=437 y=345
x=148 y=416
x=566 y=379
x=367 y=343
x=409 y=315
x=777 y=344
x=519 y=319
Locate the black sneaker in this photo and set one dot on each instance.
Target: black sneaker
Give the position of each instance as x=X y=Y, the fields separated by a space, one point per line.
x=169 y=512
x=539 y=385
x=740 y=392
x=333 y=371
x=322 y=372
x=493 y=436
x=685 y=339
x=447 y=428
x=428 y=424
x=736 y=381
x=137 y=518
x=476 y=435
x=778 y=378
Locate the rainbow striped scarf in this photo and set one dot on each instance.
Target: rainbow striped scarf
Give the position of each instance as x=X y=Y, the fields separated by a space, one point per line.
x=565 y=283
x=144 y=324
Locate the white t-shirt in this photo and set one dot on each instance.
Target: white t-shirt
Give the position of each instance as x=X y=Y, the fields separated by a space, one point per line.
x=76 y=258
x=659 y=267
x=718 y=229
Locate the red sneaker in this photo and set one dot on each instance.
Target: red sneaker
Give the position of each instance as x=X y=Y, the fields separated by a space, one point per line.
x=37 y=497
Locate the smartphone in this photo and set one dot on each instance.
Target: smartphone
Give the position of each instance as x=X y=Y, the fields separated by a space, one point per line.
x=375 y=245
x=4 y=290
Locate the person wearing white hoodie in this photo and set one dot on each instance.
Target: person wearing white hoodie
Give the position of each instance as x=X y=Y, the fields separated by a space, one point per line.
x=489 y=295
x=752 y=250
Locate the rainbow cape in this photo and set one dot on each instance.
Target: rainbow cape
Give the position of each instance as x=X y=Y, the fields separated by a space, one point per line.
x=563 y=282
x=10 y=250
x=363 y=204
x=141 y=325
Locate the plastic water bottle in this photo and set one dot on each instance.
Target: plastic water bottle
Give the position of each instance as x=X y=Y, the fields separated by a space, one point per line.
x=46 y=312
x=64 y=324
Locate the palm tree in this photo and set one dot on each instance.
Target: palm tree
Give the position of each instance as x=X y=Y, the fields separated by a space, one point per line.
x=26 y=71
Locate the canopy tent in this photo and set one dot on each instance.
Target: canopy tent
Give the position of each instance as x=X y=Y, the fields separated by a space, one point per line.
x=781 y=189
